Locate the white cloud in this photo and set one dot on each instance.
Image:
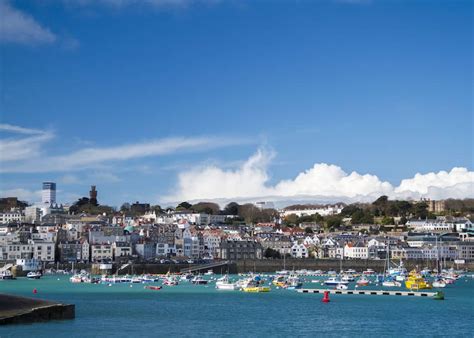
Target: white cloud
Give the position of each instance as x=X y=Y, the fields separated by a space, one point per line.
x=103 y=177
x=22 y=153
x=22 y=147
x=19 y=27
x=69 y=179
x=22 y=194
x=322 y=181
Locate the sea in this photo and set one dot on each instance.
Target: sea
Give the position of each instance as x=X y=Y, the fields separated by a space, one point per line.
x=188 y=310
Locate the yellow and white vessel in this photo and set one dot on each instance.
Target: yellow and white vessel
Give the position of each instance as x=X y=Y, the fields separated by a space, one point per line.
x=416 y=282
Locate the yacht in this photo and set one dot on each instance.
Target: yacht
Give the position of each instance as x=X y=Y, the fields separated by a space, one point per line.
x=416 y=281
x=363 y=281
x=224 y=283
x=348 y=278
x=341 y=287
x=198 y=280
x=335 y=281
x=33 y=275
x=170 y=281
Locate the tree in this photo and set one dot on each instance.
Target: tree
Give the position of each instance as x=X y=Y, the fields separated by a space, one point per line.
x=308 y=230
x=206 y=207
x=231 y=209
x=270 y=253
x=125 y=207
x=421 y=210
x=291 y=219
x=183 y=206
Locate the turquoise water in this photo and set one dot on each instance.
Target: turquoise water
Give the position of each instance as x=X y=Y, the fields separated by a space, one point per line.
x=192 y=310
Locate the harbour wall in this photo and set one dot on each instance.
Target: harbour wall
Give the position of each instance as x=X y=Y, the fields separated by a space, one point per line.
x=23 y=310
x=272 y=265
x=262 y=265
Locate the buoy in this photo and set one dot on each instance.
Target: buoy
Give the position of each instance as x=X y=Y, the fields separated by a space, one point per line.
x=35 y=291
x=326 y=297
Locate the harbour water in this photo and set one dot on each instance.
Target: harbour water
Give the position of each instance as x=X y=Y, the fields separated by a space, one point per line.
x=201 y=310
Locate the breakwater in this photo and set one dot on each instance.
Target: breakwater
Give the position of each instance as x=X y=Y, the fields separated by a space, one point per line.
x=23 y=310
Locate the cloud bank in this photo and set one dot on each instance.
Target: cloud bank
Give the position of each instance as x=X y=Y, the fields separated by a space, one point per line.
x=323 y=181
x=19 y=27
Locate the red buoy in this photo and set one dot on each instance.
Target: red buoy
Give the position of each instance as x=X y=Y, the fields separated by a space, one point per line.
x=35 y=291
x=326 y=297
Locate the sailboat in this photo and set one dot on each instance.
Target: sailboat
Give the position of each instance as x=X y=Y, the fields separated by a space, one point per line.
x=388 y=280
x=438 y=282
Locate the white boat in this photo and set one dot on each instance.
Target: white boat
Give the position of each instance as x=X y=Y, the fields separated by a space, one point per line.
x=341 y=287
x=363 y=281
x=348 y=278
x=335 y=281
x=170 y=281
x=282 y=272
x=224 y=283
x=198 y=280
x=391 y=283
x=187 y=278
x=6 y=274
x=293 y=282
x=76 y=279
x=369 y=272
x=209 y=273
x=34 y=275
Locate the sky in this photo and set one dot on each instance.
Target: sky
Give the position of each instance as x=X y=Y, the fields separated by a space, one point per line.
x=162 y=101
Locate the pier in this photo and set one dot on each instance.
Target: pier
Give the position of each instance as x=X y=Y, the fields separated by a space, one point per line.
x=434 y=295
x=209 y=266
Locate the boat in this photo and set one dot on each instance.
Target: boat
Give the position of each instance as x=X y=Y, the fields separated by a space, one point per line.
x=186 y=278
x=439 y=283
x=33 y=275
x=335 y=281
x=209 y=273
x=362 y=281
x=416 y=282
x=6 y=274
x=293 y=282
x=282 y=272
x=136 y=280
x=279 y=281
x=368 y=272
x=198 y=280
x=256 y=289
x=170 y=281
x=224 y=283
x=348 y=278
x=341 y=287
x=153 y=287
x=390 y=282
x=76 y=279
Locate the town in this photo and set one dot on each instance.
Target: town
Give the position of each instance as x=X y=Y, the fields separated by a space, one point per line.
x=45 y=233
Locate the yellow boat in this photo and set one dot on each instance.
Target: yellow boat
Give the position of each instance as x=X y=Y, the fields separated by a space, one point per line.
x=416 y=282
x=257 y=289
x=279 y=281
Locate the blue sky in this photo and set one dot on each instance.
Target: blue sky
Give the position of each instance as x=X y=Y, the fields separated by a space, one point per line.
x=222 y=92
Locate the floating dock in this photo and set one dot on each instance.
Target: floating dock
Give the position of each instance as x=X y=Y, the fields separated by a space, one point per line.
x=434 y=295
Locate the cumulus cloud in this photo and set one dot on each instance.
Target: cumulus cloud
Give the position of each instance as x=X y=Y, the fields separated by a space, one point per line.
x=19 y=27
x=323 y=181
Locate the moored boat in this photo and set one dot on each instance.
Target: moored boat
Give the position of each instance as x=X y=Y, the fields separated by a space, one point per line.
x=33 y=275
x=335 y=281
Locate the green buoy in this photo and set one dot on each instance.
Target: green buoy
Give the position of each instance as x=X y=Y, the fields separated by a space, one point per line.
x=439 y=296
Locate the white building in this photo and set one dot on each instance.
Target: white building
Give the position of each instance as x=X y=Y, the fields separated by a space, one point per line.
x=11 y=217
x=48 y=194
x=323 y=211
x=32 y=214
x=441 y=225
x=299 y=251
x=43 y=251
x=356 y=251
x=101 y=252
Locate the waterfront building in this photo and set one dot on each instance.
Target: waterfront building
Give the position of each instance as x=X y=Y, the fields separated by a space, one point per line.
x=323 y=210
x=240 y=249
x=102 y=252
x=358 y=250
x=299 y=250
